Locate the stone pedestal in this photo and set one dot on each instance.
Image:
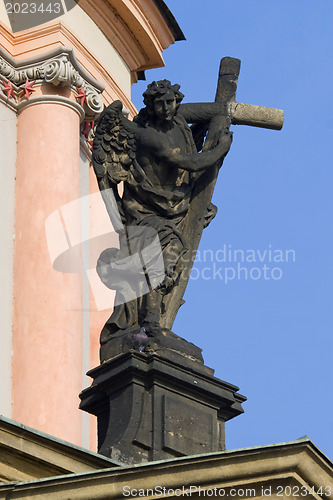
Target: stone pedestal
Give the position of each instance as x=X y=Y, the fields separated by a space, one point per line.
x=157 y=406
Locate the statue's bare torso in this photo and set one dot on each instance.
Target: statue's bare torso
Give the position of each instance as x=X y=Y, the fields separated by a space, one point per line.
x=159 y=171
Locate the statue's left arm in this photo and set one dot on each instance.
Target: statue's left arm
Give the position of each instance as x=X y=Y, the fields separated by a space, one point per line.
x=173 y=157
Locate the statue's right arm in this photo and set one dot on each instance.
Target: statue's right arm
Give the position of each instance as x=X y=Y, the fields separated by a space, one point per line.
x=192 y=162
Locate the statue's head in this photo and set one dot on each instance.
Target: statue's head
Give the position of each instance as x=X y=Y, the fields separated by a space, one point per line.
x=162 y=99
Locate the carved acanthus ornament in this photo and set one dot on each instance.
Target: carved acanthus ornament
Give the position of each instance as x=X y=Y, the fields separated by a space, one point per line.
x=59 y=68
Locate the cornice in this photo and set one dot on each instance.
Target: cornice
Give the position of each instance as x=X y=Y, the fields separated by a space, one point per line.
x=58 y=67
x=138 y=30
x=117 y=32
x=272 y=467
x=52 y=36
x=31 y=454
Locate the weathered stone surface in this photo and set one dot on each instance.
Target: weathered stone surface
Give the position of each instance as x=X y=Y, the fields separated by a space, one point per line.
x=156 y=157
x=150 y=407
x=257 y=116
x=153 y=396
x=288 y=470
x=123 y=341
x=169 y=170
x=27 y=454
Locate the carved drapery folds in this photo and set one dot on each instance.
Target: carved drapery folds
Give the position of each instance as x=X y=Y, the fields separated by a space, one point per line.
x=59 y=68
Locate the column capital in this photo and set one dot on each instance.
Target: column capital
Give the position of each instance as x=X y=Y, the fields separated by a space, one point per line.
x=58 y=67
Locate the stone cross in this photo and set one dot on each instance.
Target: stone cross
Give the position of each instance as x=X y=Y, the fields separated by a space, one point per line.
x=231 y=112
x=239 y=113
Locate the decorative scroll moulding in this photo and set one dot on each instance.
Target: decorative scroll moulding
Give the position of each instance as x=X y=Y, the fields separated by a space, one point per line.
x=58 y=68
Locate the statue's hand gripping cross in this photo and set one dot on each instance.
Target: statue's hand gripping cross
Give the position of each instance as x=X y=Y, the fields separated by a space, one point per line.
x=227 y=111
x=238 y=113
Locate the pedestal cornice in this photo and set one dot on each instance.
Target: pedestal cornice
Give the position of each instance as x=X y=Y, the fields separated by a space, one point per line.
x=157 y=406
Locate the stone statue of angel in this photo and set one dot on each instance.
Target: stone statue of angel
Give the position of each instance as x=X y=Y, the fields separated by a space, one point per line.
x=156 y=158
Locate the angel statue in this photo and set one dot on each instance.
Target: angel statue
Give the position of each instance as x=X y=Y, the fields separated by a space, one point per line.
x=161 y=213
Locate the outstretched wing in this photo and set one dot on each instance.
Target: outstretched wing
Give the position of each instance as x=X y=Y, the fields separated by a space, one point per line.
x=114 y=150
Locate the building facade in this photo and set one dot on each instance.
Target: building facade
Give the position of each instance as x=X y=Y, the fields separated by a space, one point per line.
x=55 y=79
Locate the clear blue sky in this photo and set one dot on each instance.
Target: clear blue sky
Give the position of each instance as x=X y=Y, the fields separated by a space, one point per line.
x=272 y=338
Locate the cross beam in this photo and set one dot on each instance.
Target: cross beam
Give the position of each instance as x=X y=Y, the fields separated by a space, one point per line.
x=256 y=116
x=239 y=113
x=226 y=111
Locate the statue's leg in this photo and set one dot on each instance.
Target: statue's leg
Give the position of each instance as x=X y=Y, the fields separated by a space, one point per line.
x=152 y=311
x=152 y=304
x=171 y=257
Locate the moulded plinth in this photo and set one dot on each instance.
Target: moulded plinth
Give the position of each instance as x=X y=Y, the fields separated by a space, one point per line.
x=151 y=407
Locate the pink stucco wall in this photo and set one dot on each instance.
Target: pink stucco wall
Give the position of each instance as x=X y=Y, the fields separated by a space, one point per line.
x=47 y=323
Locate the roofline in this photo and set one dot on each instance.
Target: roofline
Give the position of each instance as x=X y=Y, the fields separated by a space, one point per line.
x=171 y=20
x=47 y=439
x=190 y=460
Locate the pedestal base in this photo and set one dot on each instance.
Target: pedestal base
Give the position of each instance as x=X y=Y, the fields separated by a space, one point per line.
x=151 y=407
x=123 y=341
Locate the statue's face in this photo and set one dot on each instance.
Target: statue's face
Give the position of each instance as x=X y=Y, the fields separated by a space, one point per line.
x=165 y=106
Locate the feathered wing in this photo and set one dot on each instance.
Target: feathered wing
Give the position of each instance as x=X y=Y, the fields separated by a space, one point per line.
x=114 y=150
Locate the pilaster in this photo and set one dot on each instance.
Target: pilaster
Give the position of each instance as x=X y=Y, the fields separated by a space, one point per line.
x=51 y=95
x=57 y=77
